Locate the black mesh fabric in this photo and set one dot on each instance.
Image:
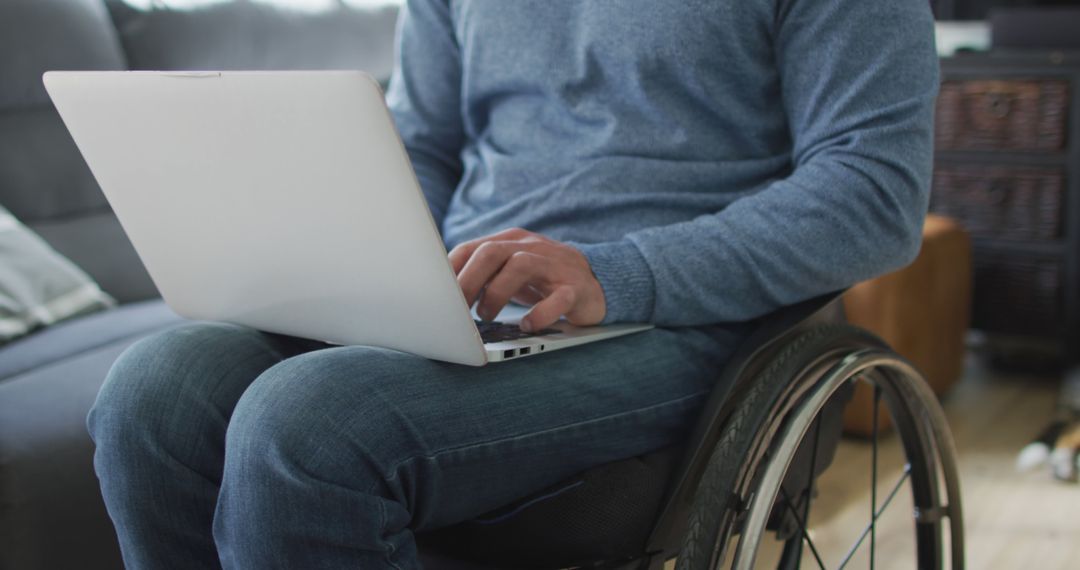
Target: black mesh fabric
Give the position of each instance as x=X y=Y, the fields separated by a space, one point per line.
x=605 y=513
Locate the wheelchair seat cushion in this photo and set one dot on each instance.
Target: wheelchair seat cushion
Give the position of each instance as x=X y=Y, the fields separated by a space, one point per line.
x=605 y=513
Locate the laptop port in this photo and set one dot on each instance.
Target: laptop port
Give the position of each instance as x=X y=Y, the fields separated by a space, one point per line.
x=525 y=350
x=508 y=353
x=541 y=348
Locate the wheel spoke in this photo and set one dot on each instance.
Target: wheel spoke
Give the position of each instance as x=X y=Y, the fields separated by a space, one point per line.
x=802 y=527
x=873 y=476
x=808 y=492
x=866 y=531
x=813 y=467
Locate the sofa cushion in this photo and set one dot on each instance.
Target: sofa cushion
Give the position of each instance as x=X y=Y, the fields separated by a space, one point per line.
x=97 y=244
x=82 y=336
x=269 y=34
x=38 y=286
x=42 y=174
x=43 y=179
x=39 y=35
x=51 y=512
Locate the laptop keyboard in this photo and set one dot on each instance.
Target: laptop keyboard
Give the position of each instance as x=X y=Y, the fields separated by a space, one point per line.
x=494 y=331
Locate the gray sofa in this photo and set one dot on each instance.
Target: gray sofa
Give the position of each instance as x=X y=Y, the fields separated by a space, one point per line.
x=51 y=514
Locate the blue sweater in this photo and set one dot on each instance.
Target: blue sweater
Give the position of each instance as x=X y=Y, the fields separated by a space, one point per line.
x=713 y=159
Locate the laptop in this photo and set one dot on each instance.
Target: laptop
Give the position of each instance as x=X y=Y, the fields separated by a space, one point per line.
x=285 y=201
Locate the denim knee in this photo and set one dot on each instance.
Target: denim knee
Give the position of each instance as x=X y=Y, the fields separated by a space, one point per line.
x=132 y=396
x=164 y=382
x=310 y=413
x=305 y=465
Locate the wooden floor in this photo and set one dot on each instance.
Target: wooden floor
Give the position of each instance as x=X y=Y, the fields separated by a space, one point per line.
x=1012 y=520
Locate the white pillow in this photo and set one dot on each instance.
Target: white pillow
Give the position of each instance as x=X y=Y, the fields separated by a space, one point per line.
x=38 y=286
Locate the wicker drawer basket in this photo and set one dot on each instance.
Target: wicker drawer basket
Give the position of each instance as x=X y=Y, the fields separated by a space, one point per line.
x=1016 y=203
x=1017 y=293
x=1002 y=115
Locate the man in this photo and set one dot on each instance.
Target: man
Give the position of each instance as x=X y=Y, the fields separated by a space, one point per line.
x=690 y=163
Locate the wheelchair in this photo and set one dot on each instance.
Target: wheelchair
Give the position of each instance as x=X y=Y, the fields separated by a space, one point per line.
x=748 y=468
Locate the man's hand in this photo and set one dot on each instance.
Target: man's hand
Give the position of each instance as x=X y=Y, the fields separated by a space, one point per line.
x=531 y=269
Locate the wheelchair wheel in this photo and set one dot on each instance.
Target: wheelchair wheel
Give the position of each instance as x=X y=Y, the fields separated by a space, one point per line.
x=745 y=486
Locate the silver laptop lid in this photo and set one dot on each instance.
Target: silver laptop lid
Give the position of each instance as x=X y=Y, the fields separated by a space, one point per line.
x=278 y=200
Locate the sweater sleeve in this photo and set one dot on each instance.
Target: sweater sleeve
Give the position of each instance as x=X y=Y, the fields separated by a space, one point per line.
x=858 y=78
x=424 y=97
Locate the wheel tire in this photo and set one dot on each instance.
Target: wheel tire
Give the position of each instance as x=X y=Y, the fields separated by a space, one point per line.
x=728 y=474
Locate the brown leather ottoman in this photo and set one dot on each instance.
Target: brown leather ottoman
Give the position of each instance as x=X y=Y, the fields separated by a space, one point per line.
x=922 y=311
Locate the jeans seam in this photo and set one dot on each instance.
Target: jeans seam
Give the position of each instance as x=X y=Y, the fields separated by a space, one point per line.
x=389 y=545
x=392 y=476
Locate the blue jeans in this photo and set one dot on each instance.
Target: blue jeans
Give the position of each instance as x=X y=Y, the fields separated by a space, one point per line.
x=220 y=446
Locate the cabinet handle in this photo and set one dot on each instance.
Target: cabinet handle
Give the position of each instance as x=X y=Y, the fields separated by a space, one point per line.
x=999 y=104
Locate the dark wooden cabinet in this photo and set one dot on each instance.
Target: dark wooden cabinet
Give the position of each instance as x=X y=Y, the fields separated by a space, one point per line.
x=1008 y=167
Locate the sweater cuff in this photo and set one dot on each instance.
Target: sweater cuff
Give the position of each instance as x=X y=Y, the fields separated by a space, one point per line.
x=625 y=278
